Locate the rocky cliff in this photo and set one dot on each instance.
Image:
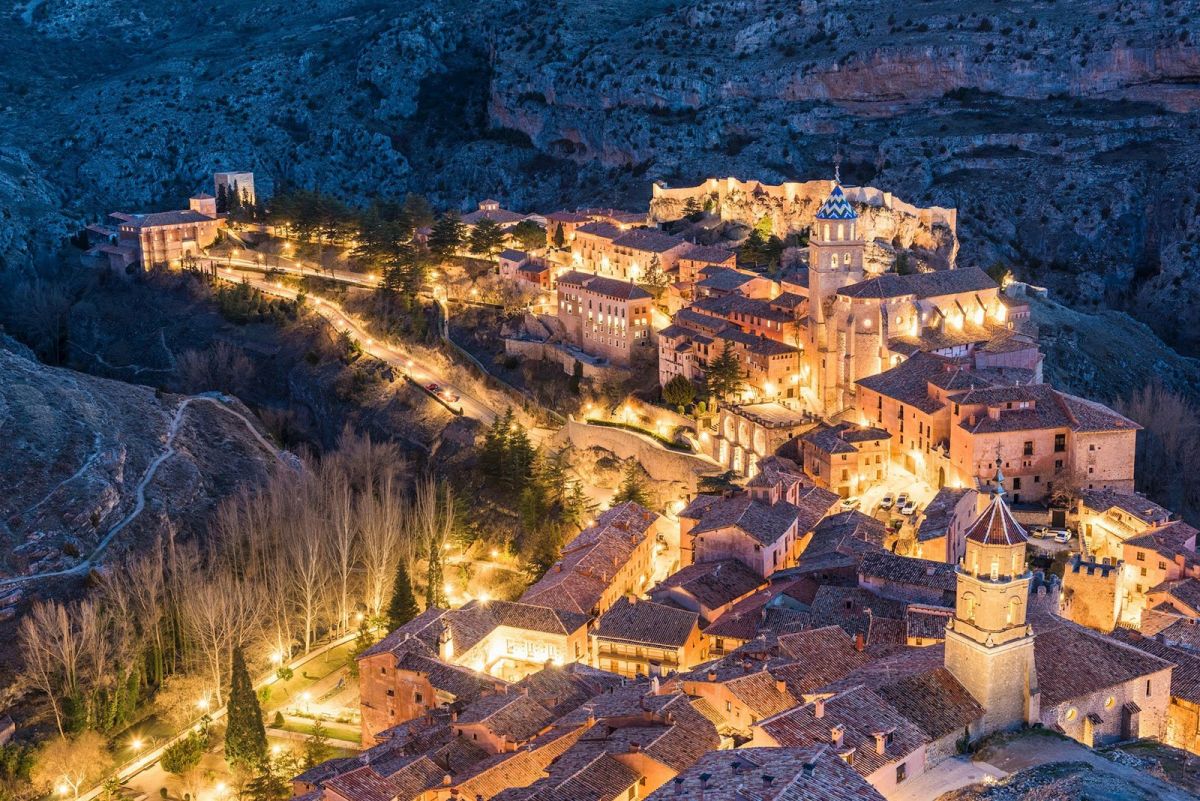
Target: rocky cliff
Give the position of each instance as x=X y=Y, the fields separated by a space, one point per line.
x=1066 y=140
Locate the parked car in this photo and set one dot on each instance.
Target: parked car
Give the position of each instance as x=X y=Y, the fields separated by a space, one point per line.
x=1039 y=532
x=901 y=500
x=888 y=502
x=909 y=508
x=434 y=388
x=1062 y=536
x=853 y=502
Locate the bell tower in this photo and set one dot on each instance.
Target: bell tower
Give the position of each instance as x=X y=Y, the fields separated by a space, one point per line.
x=835 y=260
x=989 y=644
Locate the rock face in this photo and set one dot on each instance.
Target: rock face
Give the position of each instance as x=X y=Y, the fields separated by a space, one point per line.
x=1067 y=141
x=84 y=455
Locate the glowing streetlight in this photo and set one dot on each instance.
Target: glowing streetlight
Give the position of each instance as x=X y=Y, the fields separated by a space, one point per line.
x=202 y=704
x=63 y=790
x=275 y=749
x=136 y=744
x=484 y=597
x=276 y=658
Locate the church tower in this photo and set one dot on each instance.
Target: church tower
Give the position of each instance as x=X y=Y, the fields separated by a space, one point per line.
x=989 y=644
x=835 y=260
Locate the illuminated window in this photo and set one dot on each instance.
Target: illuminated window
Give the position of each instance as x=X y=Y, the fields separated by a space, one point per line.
x=1072 y=713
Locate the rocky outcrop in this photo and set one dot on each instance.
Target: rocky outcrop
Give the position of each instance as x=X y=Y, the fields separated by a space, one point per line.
x=85 y=457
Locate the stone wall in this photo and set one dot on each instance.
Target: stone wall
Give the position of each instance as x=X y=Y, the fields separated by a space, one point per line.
x=658 y=462
x=551 y=352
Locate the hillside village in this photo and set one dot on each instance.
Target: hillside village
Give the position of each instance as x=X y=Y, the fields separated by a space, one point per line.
x=916 y=543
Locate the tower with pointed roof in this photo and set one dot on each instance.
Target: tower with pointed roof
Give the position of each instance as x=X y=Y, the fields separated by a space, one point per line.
x=835 y=260
x=989 y=643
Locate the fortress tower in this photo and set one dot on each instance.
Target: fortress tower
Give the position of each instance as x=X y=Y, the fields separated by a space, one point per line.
x=989 y=644
x=835 y=260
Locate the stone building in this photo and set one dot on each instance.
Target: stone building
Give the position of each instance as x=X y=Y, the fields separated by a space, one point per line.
x=989 y=644
x=164 y=238
x=609 y=559
x=942 y=524
x=643 y=638
x=490 y=209
x=766 y=527
x=846 y=458
x=1107 y=519
x=1092 y=593
x=604 y=317
x=949 y=418
x=748 y=433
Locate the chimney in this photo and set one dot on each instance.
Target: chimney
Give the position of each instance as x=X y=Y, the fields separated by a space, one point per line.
x=453 y=715
x=736 y=767
x=780 y=686
x=860 y=641
x=808 y=768
x=767 y=780
x=880 y=741
x=446 y=780
x=678 y=785
x=635 y=747
x=836 y=734
x=712 y=675
x=819 y=708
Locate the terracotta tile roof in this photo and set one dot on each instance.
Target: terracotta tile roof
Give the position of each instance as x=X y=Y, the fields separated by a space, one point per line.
x=915 y=682
x=927 y=622
x=1102 y=500
x=996 y=525
x=561 y=689
x=921 y=285
x=465 y=685
x=764 y=522
x=1183 y=634
x=890 y=568
x=517 y=768
x=1185 y=678
x=1045 y=407
x=588 y=563
x=713 y=584
x=724 y=279
x=648 y=240
x=853 y=608
x=938 y=514
x=1171 y=540
x=509 y=254
x=862 y=713
x=600 y=228
x=847 y=533
x=421 y=630
x=761 y=693
x=405 y=783
x=768 y=774
x=728 y=305
x=908 y=382
x=602 y=779
x=159 y=218
x=501 y=216
x=713 y=254
x=609 y=287
x=743 y=620
x=789 y=301
x=648 y=623
x=1183 y=594
x=513 y=714
x=1073 y=661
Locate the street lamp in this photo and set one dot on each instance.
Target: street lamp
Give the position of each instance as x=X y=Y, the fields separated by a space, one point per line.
x=306 y=696
x=202 y=704
x=136 y=744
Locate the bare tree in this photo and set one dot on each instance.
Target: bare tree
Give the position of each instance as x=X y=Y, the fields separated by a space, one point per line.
x=381 y=518
x=223 y=367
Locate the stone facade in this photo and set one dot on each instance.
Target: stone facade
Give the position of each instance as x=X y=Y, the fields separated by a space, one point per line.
x=163 y=239
x=747 y=434
x=604 y=317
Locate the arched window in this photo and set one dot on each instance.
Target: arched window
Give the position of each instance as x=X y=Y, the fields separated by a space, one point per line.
x=968 y=606
x=846 y=258
x=1013 y=613
x=841 y=231
x=826 y=232
x=995 y=568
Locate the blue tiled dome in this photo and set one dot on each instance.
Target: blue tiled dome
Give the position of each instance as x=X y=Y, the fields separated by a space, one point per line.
x=836 y=207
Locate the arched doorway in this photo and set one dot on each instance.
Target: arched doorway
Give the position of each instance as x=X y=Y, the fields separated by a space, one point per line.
x=941 y=477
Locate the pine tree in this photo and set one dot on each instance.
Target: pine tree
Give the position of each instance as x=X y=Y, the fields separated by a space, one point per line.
x=417 y=209
x=692 y=207
x=529 y=234
x=560 y=237
x=633 y=485
x=316 y=746
x=723 y=377
x=495 y=445
x=245 y=736
x=679 y=391
x=222 y=200
x=435 y=589
x=518 y=459
x=486 y=237
x=403 y=606
x=446 y=237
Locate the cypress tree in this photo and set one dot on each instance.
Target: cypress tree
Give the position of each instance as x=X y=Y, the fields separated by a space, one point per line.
x=245 y=736
x=403 y=606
